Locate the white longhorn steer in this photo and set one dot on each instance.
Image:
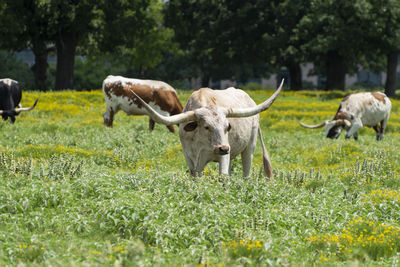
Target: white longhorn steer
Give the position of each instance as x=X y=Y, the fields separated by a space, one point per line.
x=358 y=110
x=218 y=125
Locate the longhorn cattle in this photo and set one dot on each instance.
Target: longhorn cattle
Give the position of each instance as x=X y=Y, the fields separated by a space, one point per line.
x=10 y=96
x=218 y=125
x=118 y=95
x=358 y=110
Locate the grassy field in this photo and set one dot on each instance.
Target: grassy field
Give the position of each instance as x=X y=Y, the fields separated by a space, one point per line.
x=73 y=192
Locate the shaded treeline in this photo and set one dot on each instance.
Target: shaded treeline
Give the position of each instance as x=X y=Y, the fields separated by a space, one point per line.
x=178 y=39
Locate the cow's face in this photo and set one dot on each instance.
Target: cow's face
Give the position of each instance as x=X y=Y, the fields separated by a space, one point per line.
x=210 y=129
x=9 y=113
x=342 y=120
x=332 y=130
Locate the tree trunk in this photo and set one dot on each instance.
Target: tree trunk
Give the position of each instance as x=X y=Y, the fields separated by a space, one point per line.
x=335 y=71
x=205 y=81
x=39 y=69
x=295 y=76
x=391 y=72
x=243 y=79
x=66 y=47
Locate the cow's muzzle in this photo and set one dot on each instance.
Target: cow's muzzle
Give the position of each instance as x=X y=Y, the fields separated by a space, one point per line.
x=221 y=150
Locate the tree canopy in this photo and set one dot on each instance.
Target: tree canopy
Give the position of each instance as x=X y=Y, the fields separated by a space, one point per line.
x=209 y=39
x=90 y=28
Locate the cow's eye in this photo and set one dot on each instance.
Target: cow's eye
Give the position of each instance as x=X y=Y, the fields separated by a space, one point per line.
x=207 y=128
x=229 y=127
x=190 y=126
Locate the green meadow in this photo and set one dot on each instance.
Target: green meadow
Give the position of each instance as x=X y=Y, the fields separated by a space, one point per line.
x=76 y=193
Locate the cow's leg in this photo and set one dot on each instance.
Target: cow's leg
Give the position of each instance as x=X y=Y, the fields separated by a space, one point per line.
x=247 y=158
x=247 y=154
x=9 y=113
x=108 y=116
x=355 y=135
x=357 y=124
x=151 y=124
x=171 y=128
x=382 y=130
x=377 y=129
x=224 y=164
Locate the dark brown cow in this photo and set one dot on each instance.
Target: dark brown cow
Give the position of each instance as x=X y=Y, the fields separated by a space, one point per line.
x=10 y=96
x=118 y=95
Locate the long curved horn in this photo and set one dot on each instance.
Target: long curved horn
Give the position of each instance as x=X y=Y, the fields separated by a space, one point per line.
x=18 y=110
x=343 y=122
x=314 y=126
x=247 y=112
x=167 y=120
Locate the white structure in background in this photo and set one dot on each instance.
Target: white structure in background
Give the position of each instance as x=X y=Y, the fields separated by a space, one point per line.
x=362 y=77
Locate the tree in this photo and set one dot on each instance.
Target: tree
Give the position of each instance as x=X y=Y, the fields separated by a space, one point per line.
x=222 y=39
x=385 y=35
x=284 y=37
x=191 y=24
x=37 y=23
x=144 y=45
x=133 y=53
x=25 y=23
x=14 y=68
x=71 y=24
x=337 y=40
x=105 y=26
x=121 y=27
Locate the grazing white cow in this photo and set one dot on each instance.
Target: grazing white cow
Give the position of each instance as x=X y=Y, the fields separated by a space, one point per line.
x=218 y=125
x=118 y=95
x=358 y=110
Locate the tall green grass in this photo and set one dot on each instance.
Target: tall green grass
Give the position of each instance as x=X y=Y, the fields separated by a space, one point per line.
x=73 y=192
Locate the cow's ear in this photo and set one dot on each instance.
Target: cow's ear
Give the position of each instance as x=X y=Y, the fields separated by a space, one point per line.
x=190 y=126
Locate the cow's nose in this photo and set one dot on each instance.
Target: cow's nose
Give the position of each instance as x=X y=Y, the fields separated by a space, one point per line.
x=222 y=150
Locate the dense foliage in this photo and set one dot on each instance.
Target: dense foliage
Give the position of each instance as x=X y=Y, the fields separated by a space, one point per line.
x=212 y=40
x=13 y=67
x=255 y=36
x=73 y=192
x=82 y=28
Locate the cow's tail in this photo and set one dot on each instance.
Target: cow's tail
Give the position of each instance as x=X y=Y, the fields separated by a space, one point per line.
x=266 y=160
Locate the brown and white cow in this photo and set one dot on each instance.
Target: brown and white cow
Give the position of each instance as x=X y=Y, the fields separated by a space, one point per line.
x=218 y=125
x=358 y=110
x=118 y=95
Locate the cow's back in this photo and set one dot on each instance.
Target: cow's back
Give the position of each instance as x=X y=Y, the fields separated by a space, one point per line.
x=161 y=96
x=370 y=107
x=119 y=86
x=9 y=90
